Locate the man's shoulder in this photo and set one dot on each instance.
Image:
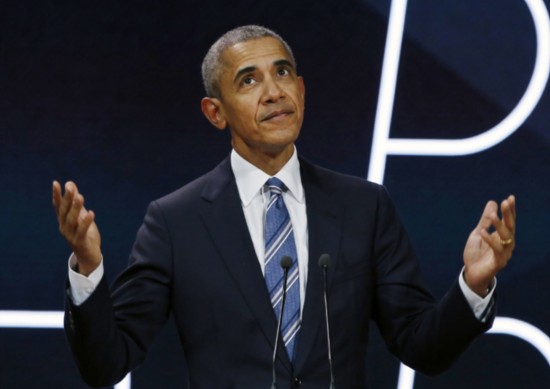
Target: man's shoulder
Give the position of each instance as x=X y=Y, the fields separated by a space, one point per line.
x=205 y=186
x=333 y=180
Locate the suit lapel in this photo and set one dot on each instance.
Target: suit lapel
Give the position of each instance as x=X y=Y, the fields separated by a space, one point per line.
x=324 y=230
x=224 y=219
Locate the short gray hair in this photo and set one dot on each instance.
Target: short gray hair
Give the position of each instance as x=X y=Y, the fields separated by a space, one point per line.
x=212 y=63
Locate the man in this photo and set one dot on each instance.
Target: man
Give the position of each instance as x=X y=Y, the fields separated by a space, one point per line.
x=204 y=254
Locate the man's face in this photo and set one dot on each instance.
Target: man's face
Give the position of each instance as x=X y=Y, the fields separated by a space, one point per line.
x=262 y=98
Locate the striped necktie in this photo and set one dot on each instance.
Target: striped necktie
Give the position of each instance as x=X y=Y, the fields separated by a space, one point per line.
x=279 y=241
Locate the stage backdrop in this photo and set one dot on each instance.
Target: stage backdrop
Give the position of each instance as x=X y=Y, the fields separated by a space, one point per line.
x=107 y=94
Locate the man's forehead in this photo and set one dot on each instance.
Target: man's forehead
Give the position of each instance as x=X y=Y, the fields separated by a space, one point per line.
x=254 y=53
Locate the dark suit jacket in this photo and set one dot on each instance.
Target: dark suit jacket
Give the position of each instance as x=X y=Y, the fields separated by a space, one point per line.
x=194 y=256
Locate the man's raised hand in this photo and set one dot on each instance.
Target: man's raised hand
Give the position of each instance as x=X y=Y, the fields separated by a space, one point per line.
x=77 y=226
x=486 y=253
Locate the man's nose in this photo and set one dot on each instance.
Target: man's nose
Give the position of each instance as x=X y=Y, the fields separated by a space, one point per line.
x=272 y=90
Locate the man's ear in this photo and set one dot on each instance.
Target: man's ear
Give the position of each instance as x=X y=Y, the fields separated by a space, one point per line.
x=302 y=86
x=212 y=109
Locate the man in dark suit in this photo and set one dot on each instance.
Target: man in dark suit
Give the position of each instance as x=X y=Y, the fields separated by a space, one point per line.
x=200 y=254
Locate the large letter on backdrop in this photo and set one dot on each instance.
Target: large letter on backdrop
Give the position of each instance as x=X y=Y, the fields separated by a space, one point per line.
x=383 y=145
x=502 y=326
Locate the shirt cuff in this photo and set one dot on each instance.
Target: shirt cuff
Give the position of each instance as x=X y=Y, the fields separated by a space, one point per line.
x=478 y=304
x=82 y=287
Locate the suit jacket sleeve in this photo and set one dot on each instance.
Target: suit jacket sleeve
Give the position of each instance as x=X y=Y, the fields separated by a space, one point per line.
x=110 y=332
x=424 y=334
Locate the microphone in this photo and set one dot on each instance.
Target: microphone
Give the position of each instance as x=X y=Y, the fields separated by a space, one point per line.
x=286 y=263
x=324 y=262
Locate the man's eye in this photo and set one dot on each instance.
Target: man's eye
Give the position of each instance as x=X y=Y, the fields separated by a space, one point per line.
x=248 y=81
x=282 y=72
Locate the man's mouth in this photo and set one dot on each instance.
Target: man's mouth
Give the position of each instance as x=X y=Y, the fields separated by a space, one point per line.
x=279 y=114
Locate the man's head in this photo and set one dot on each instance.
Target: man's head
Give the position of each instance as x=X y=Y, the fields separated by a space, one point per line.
x=212 y=63
x=259 y=96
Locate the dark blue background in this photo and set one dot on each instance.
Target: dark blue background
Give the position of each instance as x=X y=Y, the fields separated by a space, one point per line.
x=107 y=94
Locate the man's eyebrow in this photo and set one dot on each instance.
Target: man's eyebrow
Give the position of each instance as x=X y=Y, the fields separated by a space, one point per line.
x=248 y=69
x=284 y=62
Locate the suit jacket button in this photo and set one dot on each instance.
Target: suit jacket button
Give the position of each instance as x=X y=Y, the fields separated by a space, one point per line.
x=297 y=381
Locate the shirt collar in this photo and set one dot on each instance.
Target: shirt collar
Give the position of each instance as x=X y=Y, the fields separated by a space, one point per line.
x=250 y=179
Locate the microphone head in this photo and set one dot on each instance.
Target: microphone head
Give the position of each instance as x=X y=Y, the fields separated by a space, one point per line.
x=286 y=262
x=324 y=260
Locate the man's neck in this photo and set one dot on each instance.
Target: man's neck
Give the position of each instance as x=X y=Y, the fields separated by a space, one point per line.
x=271 y=164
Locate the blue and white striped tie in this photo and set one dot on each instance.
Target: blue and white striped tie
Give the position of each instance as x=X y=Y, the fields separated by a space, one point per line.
x=279 y=241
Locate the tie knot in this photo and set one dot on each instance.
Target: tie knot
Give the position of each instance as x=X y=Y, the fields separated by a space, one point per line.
x=276 y=186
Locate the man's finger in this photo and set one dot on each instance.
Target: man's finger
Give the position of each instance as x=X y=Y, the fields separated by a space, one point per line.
x=512 y=202
x=66 y=202
x=503 y=233
x=73 y=216
x=56 y=196
x=485 y=221
x=488 y=238
x=509 y=213
x=86 y=220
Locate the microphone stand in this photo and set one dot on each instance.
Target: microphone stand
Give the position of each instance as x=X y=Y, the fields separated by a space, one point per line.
x=286 y=263
x=324 y=261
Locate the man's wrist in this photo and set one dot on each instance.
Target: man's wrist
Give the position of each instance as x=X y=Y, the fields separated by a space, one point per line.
x=478 y=304
x=482 y=290
x=81 y=286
